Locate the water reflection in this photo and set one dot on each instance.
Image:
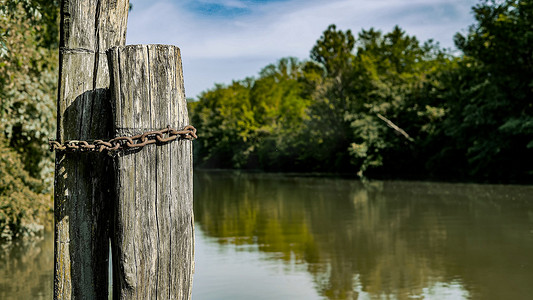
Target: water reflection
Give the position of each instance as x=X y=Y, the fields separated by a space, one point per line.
x=384 y=240
x=26 y=269
x=280 y=237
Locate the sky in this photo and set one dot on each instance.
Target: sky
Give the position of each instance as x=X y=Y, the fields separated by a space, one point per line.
x=225 y=40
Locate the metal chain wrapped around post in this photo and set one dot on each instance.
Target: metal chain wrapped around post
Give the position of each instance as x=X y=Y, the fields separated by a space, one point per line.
x=125 y=142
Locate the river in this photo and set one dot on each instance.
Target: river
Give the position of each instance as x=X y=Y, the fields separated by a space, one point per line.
x=268 y=236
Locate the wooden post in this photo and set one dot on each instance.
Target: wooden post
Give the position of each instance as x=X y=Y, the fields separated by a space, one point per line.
x=153 y=251
x=82 y=191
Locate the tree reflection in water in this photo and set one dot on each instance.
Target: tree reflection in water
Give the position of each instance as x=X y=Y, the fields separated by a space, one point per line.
x=385 y=239
x=26 y=268
x=394 y=240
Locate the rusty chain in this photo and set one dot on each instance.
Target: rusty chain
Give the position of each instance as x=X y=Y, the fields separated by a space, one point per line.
x=125 y=142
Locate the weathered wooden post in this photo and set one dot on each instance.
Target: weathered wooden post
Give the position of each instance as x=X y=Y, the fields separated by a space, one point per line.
x=153 y=233
x=82 y=192
x=142 y=198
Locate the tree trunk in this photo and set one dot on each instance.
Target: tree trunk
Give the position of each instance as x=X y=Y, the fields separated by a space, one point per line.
x=82 y=193
x=154 y=242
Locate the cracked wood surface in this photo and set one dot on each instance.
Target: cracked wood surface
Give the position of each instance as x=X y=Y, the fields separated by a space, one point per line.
x=153 y=232
x=82 y=190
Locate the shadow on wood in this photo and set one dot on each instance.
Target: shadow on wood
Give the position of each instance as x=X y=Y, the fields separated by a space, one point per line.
x=82 y=194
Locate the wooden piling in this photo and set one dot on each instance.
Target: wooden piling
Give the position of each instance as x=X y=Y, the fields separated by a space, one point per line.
x=153 y=233
x=82 y=191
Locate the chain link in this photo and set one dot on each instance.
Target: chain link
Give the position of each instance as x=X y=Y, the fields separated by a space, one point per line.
x=125 y=142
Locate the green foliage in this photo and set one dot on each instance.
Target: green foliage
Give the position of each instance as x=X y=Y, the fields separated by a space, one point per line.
x=382 y=77
x=489 y=99
x=28 y=68
x=41 y=15
x=334 y=50
x=226 y=121
x=28 y=82
x=250 y=124
x=23 y=206
x=280 y=105
x=386 y=105
x=333 y=95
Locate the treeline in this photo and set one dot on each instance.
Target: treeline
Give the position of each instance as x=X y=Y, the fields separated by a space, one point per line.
x=385 y=105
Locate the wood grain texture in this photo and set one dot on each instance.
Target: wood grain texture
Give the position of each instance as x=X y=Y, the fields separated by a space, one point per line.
x=154 y=240
x=82 y=190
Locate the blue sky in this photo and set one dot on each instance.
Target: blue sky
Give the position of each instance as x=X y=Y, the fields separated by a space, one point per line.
x=223 y=40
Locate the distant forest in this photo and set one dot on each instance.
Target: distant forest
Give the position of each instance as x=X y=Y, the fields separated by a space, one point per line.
x=385 y=105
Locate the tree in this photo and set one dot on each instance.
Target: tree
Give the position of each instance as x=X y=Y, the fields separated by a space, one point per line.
x=392 y=70
x=357 y=114
x=334 y=50
x=490 y=109
x=280 y=108
x=28 y=78
x=333 y=95
x=226 y=121
x=24 y=209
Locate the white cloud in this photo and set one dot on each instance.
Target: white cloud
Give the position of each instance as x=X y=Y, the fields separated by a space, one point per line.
x=219 y=48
